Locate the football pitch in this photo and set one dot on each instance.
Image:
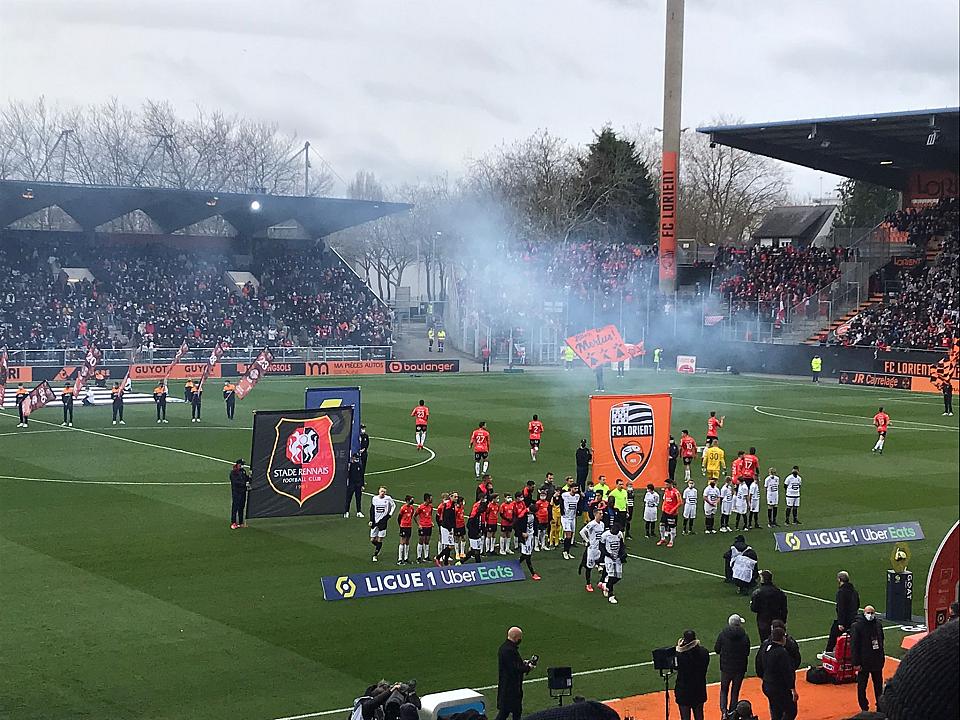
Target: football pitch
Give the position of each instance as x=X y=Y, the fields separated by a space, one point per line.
x=124 y=593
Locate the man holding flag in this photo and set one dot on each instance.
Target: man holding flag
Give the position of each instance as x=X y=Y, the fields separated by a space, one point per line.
x=116 y=398
x=34 y=399
x=160 y=399
x=3 y=377
x=197 y=399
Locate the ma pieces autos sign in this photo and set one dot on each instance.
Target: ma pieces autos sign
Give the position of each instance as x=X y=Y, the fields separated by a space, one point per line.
x=827 y=538
x=422 y=366
x=394 y=582
x=870 y=379
x=345 y=367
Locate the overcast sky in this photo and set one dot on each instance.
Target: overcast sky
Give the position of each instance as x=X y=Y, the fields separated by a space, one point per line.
x=409 y=88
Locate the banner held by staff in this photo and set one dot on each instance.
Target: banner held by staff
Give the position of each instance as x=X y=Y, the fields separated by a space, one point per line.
x=212 y=360
x=299 y=462
x=257 y=369
x=90 y=360
x=630 y=435
x=181 y=351
x=38 y=397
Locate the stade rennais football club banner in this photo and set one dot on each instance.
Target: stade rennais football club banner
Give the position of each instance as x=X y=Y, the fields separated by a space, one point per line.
x=299 y=462
x=394 y=582
x=333 y=397
x=630 y=435
x=827 y=538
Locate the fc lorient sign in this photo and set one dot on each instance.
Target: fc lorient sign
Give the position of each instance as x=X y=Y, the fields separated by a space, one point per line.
x=393 y=582
x=848 y=536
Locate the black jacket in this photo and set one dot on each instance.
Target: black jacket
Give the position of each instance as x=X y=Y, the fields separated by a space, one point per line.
x=512 y=668
x=862 y=637
x=733 y=649
x=355 y=474
x=779 y=675
x=674 y=451
x=848 y=604
x=238 y=479
x=584 y=456
x=792 y=648
x=769 y=603
x=691 y=687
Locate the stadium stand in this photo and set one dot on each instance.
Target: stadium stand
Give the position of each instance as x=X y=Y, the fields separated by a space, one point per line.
x=923 y=312
x=148 y=295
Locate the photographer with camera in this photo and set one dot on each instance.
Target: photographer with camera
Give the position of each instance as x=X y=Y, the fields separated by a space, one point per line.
x=386 y=701
x=512 y=669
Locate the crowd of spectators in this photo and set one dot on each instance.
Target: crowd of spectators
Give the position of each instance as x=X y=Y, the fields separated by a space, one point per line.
x=150 y=296
x=922 y=224
x=766 y=280
x=923 y=313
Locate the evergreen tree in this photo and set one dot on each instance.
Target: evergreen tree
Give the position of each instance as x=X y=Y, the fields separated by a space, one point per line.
x=863 y=204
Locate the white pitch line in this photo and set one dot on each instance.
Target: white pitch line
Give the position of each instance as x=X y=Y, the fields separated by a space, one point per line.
x=901 y=425
x=596 y=671
x=27 y=432
x=102 y=482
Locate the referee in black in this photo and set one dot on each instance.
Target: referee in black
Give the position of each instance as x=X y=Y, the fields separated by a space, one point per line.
x=239 y=482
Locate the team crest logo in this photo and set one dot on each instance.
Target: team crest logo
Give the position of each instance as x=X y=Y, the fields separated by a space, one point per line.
x=631 y=436
x=302 y=463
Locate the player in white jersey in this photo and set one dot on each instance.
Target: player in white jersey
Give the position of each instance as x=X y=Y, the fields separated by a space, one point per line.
x=727 y=495
x=711 y=500
x=651 y=503
x=613 y=550
x=741 y=504
x=754 y=504
x=791 y=486
x=569 y=504
x=591 y=533
x=381 y=508
x=691 y=497
x=771 y=484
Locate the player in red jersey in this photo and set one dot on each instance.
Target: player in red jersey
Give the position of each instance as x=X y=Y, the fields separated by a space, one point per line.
x=535 y=428
x=460 y=531
x=480 y=442
x=714 y=424
x=507 y=509
x=520 y=510
x=541 y=511
x=424 y=517
x=751 y=464
x=688 y=450
x=669 y=511
x=736 y=467
x=492 y=519
x=405 y=520
x=881 y=421
x=420 y=415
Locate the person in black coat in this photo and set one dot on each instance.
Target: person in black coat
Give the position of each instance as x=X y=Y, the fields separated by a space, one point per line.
x=364 y=447
x=511 y=670
x=779 y=677
x=848 y=604
x=238 y=491
x=690 y=690
x=355 y=484
x=733 y=649
x=673 y=452
x=790 y=644
x=584 y=458
x=866 y=646
x=769 y=603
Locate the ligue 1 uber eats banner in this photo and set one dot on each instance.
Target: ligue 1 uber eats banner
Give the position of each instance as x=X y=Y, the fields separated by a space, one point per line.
x=629 y=435
x=299 y=462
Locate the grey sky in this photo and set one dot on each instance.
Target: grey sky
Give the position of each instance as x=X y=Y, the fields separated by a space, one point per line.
x=409 y=88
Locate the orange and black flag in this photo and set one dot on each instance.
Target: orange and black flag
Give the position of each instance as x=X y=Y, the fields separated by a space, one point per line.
x=946 y=371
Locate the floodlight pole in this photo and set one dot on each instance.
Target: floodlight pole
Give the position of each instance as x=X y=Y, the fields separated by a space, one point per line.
x=306 y=168
x=670 y=174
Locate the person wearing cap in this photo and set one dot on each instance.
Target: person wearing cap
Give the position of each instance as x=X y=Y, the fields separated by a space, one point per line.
x=866 y=652
x=769 y=603
x=239 y=482
x=690 y=690
x=733 y=649
x=779 y=677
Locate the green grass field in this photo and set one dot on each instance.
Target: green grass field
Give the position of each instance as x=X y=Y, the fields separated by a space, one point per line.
x=125 y=595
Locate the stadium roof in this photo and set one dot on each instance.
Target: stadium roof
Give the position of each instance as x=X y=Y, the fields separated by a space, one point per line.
x=883 y=148
x=173 y=209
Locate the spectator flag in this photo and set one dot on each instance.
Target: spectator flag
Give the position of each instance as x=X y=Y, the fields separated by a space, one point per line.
x=214 y=358
x=257 y=369
x=90 y=361
x=600 y=346
x=181 y=351
x=38 y=397
x=3 y=376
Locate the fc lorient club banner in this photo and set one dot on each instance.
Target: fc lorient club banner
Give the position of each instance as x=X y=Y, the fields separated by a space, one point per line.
x=394 y=582
x=299 y=462
x=630 y=437
x=827 y=538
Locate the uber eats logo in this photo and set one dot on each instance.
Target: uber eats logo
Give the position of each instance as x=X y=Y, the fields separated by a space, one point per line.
x=346 y=587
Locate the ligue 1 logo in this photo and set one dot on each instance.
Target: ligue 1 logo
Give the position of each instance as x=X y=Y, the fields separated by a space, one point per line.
x=346 y=587
x=631 y=436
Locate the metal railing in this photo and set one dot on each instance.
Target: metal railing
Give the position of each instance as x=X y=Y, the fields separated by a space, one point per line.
x=73 y=356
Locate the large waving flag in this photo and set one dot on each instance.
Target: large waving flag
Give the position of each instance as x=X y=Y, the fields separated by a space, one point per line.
x=90 y=361
x=257 y=369
x=38 y=397
x=181 y=351
x=212 y=361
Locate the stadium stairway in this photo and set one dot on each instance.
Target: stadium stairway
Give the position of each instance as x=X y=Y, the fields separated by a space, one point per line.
x=822 y=334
